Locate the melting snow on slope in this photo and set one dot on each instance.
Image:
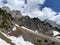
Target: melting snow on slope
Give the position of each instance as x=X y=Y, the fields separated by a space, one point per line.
x=29 y=29
x=14 y=29
x=2 y=42
x=26 y=28
x=58 y=37
x=55 y=33
x=17 y=25
x=19 y=40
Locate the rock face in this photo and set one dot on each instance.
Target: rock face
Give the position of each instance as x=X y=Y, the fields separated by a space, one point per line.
x=56 y=26
x=45 y=27
x=6 y=21
x=16 y=14
x=6 y=8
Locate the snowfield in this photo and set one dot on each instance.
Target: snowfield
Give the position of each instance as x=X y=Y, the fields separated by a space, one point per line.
x=55 y=33
x=18 y=40
x=2 y=42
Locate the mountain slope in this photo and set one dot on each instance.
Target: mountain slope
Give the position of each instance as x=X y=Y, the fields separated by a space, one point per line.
x=36 y=24
x=6 y=21
x=13 y=25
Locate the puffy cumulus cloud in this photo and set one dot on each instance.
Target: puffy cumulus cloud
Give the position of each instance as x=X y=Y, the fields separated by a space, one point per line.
x=15 y=4
x=46 y=13
x=1 y=4
x=36 y=1
x=32 y=5
x=56 y=18
x=32 y=9
x=18 y=4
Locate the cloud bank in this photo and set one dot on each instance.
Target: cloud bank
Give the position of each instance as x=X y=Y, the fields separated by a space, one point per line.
x=32 y=9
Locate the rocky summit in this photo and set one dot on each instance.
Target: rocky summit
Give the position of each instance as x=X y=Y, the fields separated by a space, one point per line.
x=6 y=21
x=13 y=25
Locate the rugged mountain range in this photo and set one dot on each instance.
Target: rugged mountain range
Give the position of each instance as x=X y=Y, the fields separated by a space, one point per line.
x=13 y=23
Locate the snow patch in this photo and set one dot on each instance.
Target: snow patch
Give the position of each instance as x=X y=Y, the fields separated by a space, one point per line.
x=55 y=33
x=2 y=42
x=58 y=37
x=17 y=25
x=18 y=41
x=29 y=29
x=14 y=29
x=26 y=28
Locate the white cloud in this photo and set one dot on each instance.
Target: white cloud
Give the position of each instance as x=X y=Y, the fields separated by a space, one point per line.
x=32 y=9
x=56 y=18
x=0 y=1
x=15 y=4
x=37 y=1
x=1 y=4
x=32 y=5
x=46 y=13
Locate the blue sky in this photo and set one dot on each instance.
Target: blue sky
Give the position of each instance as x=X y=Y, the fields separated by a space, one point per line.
x=43 y=9
x=54 y=4
x=4 y=1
